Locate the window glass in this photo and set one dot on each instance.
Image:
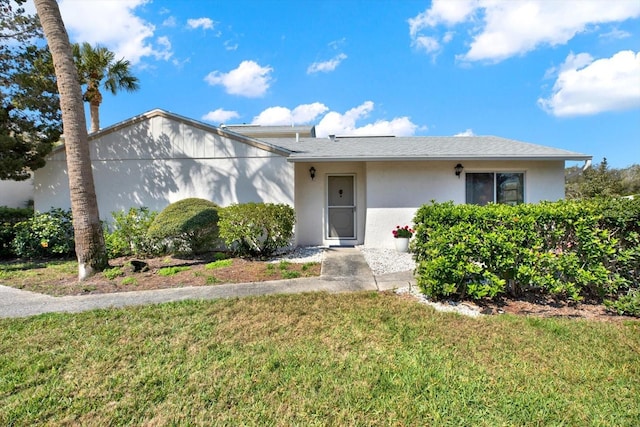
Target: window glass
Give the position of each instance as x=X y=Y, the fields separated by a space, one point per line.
x=479 y=188
x=488 y=187
x=509 y=188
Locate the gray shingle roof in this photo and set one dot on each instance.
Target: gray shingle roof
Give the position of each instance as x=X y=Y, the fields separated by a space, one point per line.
x=419 y=148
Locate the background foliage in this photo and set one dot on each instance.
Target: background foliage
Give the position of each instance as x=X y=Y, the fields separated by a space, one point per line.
x=45 y=235
x=602 y=181
x=8 y=218
x=30 y=118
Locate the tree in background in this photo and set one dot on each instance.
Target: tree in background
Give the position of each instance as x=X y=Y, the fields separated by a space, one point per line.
x=97 y=68
x=631 y=180
x=601 y=181
x=30 y=119
x=89 y=239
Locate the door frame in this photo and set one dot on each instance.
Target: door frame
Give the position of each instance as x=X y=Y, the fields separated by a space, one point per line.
x=354 y=207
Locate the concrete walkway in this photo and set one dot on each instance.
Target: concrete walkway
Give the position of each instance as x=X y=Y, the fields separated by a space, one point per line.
x=343 y=270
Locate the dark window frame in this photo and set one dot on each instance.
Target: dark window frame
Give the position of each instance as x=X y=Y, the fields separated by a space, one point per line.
x=494 y=187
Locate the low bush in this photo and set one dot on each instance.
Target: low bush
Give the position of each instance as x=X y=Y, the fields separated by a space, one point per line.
x=628 y=304
x=128 y=234
x=48 y=234
x=187 y=226
x=257 y=229
x=9 y=217
x=567 y=249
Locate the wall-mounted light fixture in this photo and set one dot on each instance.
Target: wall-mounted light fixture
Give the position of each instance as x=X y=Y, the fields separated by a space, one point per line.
x=312 y=172
x=458 y=168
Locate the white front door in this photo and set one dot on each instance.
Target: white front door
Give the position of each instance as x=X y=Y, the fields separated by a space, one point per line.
x=341 y=207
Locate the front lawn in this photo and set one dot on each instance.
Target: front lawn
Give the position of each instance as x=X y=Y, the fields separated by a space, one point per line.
x=316 y=359
x=59 y=277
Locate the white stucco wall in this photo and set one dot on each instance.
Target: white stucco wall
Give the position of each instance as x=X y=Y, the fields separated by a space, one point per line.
x=159 y=161
x=16 y=194
x=395 y=190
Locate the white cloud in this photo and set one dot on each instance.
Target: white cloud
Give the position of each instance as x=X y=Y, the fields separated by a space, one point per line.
x=334 y=123
x=442 y=11
x=585 y=86
x=229 y=45
x=428 y=44
x=302 y=114
x=326 y=66
x=220 y=116
x=204 y=23
x=123 y=32
x=170 y=22
x=249 y=79
x=468 y=132
x=615 y=34
x=502 y=29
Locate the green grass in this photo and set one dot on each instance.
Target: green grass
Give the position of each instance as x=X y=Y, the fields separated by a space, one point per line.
x=172 y=271
x=219 y=264
x=315 y=359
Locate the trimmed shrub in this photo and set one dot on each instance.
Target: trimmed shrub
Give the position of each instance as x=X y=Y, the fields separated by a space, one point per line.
x=257 y=229
x=567 y=249
x=187 y=226
x=48 y=234
x=128 y=233
x=9 y=217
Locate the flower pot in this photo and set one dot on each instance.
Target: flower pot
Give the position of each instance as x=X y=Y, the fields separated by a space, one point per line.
x=402 y=244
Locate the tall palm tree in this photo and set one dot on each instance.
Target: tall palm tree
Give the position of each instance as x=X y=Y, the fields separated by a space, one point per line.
x=90 y=246
x=97 y=67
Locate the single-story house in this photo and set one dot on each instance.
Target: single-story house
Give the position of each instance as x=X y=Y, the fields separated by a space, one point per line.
x=345 y=190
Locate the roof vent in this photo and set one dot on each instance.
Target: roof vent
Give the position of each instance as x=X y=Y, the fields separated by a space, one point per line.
x=332 y=137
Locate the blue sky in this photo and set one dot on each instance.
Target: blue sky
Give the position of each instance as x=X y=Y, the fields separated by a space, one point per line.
x=561 y=73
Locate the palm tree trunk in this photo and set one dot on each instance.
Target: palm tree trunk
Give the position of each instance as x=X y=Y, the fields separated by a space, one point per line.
x=94 y=112
x=90 y=246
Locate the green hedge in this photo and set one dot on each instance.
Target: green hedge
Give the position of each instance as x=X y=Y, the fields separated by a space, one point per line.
x=9 y=217
x=187 y=226
x=567 y=249
x=257 y=229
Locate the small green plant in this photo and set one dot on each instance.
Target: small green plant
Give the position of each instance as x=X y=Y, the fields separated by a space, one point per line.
x=212 y=280
x=219 y=264
x=284 y=265
x=129 y=281
x=127 y=235
x=220 y=255
x=112 y=273
x=172 y=271
x=290 y=274
x=307 y=265
x=626 y=304
x=271 y=268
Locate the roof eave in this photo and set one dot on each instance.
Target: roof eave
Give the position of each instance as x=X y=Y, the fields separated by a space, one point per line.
x=295 y=158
